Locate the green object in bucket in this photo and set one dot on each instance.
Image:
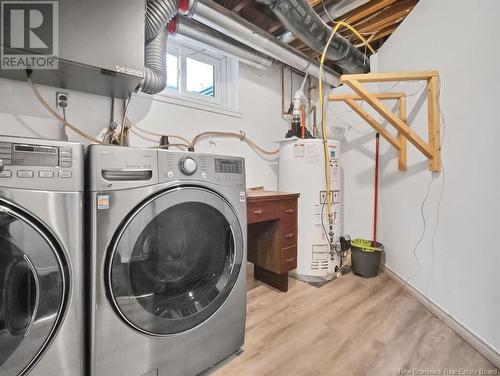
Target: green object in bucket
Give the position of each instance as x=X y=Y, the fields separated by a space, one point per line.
x=367 y=245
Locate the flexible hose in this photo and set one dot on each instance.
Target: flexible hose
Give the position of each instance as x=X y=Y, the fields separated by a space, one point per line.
x=158 y=13
x=158 y=134
x=59 y=117
x=179 y=145
x=240 y=135
x=155 y=60
x=124 y=119
x=188 y=144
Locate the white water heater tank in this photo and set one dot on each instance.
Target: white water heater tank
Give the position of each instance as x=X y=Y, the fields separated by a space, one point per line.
x=302 y=170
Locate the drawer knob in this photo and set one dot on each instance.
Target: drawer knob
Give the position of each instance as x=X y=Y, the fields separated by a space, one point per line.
x=289 y=211
x=258 y=211
x=290 y=259
x=290 y=235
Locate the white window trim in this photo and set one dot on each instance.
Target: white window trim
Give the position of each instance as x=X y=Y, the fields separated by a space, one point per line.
x=226 y=100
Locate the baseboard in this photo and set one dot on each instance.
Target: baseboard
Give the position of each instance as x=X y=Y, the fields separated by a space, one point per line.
x=467 y=335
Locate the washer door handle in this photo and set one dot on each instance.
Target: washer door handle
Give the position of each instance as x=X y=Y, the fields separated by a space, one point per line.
x=36 y=304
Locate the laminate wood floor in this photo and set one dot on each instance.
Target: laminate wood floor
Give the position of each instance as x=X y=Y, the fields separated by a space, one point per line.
x=351 y=326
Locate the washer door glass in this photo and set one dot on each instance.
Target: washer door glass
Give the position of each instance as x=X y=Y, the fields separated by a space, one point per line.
x=32 y=290
x=175 y=261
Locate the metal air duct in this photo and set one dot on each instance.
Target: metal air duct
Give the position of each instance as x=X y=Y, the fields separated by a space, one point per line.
x=301 y=19
x=221 y=19
x=332 y=11
x=186 y=27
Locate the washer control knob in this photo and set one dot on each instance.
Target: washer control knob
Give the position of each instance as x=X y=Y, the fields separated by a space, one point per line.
x=187 y=166
x=2 y=165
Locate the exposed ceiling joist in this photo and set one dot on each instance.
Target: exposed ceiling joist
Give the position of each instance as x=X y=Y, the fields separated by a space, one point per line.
x=376 y=19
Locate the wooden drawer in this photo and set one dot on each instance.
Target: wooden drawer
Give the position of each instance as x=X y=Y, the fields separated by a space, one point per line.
x=288 y=259
x=289 y=211
x=288 y=234
x=263 y=211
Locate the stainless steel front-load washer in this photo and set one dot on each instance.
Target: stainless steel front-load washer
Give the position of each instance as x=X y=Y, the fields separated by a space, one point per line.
x=168 y=253
x=41 y=257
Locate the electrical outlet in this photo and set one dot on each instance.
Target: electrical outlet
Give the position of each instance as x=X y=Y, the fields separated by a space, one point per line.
x=61 y=99
x=322 y=197
x=336 y=198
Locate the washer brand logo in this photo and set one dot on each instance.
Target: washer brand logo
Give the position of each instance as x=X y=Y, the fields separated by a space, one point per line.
x=29 y=35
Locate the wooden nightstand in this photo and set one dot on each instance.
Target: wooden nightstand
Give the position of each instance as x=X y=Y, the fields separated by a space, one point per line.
x=272 y=235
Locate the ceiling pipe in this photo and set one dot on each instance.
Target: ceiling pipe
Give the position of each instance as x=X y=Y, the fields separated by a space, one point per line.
x=185 y=27
x=334 y=10
x=223 y=20
x=339 y=8
x=302 y=20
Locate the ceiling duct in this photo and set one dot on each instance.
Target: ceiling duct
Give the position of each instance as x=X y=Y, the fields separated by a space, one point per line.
x=330 y=12
x=211 y=14
x=221 y=19
x=302 y=20
x=191 y=29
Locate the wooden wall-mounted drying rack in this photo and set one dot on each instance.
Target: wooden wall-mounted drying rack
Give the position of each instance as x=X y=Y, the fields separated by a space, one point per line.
x=432 y=148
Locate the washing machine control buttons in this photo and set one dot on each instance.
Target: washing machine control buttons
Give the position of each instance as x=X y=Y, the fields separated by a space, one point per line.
x=65 y=174
x=25 y=174
x=187 y=166
x=45 y=174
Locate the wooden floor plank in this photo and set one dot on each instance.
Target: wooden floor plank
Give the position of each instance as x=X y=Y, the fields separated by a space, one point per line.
x=351 y=326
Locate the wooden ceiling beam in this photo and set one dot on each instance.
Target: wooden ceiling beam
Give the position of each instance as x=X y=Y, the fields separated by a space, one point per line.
x=385 y=32
x=387 y=17
x=240 y=5
x=367 y=10
x=313 y=3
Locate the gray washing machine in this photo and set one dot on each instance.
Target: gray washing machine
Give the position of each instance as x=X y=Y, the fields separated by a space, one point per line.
x=168 y=255
x=41 y=252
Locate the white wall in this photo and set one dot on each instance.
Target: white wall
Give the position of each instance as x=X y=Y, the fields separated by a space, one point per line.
x=260 y=107
x=358 y=155
x=462 y=274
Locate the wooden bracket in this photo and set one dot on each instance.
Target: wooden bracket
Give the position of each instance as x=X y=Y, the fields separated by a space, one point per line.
x=432 y=148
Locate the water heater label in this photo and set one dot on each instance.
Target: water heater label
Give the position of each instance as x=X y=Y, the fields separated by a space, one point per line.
x=298 y=150
x=333 y=151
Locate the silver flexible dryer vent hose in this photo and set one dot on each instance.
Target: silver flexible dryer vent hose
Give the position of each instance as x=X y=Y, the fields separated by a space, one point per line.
x=158 y=14
x=155 y=60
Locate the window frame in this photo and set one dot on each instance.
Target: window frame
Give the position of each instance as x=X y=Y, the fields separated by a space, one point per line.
x=226 y=75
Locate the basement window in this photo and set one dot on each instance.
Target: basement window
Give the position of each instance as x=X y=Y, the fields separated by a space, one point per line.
x=201 y=78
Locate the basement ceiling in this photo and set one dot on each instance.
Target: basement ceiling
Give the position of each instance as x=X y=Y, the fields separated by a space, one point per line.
x=376 y=20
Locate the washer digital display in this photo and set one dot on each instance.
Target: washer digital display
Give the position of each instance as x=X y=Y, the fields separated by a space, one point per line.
x=228 y=166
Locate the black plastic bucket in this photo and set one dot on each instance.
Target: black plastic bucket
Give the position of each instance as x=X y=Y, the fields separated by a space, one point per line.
x=366 y=257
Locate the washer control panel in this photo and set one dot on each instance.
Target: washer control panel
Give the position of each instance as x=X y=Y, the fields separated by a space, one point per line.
x=224 y=170
x=188 y=165
x=40 y=164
